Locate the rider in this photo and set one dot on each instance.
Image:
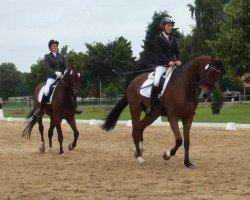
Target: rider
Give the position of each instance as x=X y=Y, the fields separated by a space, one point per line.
x=55 y=64
x=167 y=55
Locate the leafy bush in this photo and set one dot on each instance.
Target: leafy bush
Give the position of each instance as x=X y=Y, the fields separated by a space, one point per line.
x=217 y=99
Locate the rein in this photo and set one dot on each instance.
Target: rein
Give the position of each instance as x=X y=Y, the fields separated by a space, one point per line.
x=66 y=84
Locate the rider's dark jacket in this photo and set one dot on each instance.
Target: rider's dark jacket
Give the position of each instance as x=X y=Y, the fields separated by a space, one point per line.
x=54 y=63
x=166 y=51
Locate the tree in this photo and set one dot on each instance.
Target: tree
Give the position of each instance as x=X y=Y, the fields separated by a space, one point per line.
x=232 y=43
x=9 y=80
x=208 y=15
x=24 y=88
x=37 y=75
x=111 y=91
x=102 y=59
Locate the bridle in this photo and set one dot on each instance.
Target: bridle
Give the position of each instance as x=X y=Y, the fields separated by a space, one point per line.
x=203 y=76
x=67 y=85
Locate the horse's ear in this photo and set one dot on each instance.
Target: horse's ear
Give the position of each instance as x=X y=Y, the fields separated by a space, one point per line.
x=81 y=65
x=212 y=58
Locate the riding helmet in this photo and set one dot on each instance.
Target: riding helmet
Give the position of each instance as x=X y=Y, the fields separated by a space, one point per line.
x=166 y=20
x=53 y=42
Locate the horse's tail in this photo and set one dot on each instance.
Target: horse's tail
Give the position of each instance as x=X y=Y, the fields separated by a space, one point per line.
x=113 y=116
x=31 y=122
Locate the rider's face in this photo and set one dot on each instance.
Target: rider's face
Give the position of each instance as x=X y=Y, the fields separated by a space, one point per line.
x=168 y=28
x=54 y=47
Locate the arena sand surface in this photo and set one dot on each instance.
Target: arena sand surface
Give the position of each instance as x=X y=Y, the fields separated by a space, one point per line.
x=103 y=167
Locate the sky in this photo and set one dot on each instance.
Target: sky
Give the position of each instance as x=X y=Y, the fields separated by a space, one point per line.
x=28 y=25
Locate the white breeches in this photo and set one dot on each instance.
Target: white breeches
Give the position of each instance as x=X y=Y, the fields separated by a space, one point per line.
x=47 y=86
x=159 y=70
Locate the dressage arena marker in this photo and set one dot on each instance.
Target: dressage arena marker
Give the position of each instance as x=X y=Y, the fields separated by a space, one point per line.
x=129 y=123
x=1 y=114
x=231 y=126
x=93 y=122
x=10 y=119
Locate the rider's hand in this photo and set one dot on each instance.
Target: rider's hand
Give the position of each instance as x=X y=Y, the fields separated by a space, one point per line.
x=171 y=63
x=58 y=74
x=178 y=63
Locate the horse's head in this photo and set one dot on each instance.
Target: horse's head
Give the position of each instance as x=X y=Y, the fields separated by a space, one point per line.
x=209 y=73
x=74 y=77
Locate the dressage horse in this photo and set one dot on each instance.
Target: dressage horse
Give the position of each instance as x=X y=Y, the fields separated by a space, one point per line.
x=178 y=102
x=62 y=107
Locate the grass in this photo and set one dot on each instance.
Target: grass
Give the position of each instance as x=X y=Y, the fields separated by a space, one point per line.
x=238 y=113
x=232 y=112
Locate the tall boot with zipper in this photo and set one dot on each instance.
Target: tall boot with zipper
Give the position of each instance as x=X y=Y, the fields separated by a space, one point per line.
x=39 y=112
x=153 y=100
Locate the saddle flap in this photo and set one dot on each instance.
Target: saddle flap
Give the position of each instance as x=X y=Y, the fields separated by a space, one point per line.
x=50 y=95
x=145 y=89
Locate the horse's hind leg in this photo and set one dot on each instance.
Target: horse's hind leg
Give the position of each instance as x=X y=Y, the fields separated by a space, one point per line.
x=178 y=139
x=41 y=130
x=138 y=128
x=186 y=130
x=72 y=123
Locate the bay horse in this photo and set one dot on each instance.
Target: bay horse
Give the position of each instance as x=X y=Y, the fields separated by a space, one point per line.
x=178 y=102
x=61 y=107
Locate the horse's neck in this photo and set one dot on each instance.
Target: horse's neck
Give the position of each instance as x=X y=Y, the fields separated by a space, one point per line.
x=65 y=88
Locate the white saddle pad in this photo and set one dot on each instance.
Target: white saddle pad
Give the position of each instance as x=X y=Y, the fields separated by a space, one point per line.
x=41 y=95
x=146 y=86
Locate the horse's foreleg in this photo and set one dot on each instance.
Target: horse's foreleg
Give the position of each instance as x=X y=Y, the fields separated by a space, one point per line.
x=50 y=132
x=41 y=130
x=60 y=135
x=72 y=124
x=186 y=131
x=178 y=140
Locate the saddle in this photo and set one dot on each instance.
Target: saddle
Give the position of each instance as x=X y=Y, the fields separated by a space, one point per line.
x=145 y=89
x=51 y=92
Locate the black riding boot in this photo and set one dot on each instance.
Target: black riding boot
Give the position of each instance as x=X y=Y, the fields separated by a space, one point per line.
x=76 y=107
x=153 y=99
x=39 y=112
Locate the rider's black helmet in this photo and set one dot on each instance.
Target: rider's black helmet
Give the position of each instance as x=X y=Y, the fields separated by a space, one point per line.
x=166 y=20
x=53 y=42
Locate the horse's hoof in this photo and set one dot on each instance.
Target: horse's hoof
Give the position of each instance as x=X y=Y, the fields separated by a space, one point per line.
x=70 y=147
x=42 y=148
x=188 y=164
x=135 y=154
x=140 y=160
x=166 y=155
x=61 y=152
